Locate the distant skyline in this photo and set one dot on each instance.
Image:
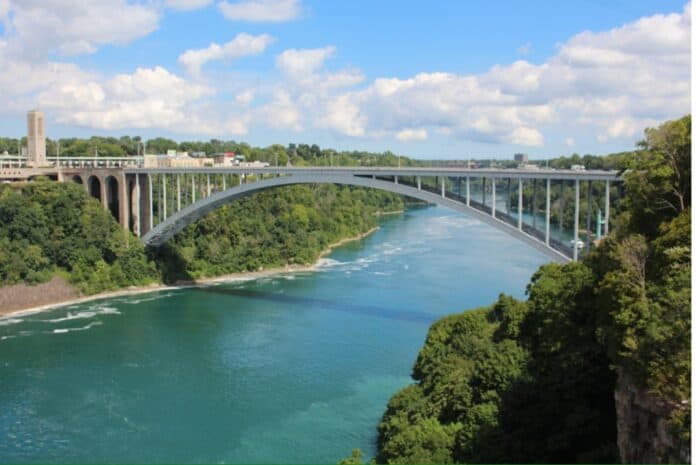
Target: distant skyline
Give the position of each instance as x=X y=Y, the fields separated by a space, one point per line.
x=439 y=79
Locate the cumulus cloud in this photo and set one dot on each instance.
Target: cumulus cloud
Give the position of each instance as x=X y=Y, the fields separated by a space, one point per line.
x=610 y=84
x=297 y=63
x=36 y=28
x=186 y=5
x=617 y=82
x=261 y=10
x=242 y=45
x=412 y=134
x=149 y=97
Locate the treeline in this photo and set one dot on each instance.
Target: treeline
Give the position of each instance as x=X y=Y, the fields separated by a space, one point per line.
x=290 y=225
x=48 y=228
x=295 y=154
x=534 y=381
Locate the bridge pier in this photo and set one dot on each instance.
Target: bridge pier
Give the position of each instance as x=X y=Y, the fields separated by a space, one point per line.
x=468 y=192
x=164 y=197
x=519 y=205
x=606 y=208
x=123 y=204
x=102 y=193
x=178 y=192
x=149 y=201
x=589 y=214
x=442 y=186
x=493 y=198
x=534 y=203
x=577 y=219
x=548 y=211
x=418 y=180
x=137 y=227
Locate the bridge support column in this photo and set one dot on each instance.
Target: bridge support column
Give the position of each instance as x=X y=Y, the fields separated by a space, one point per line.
x=468 y=192
x=589 y=210
x=534 y=203
x=606 y=208
x=208 y=183
x=178 y=192
x=137 y=227
x=418 y=181
x=519 y=204
x=396 y=179
x=493 y=197
x=123 y=203
x=149 y=201
x=442 y=186
x=193 y=188
x=164 y=196
x=507 y=197
x=576 y=226
x=102 y=194
x=224 y=182
x=561 y=203
x=548 y=211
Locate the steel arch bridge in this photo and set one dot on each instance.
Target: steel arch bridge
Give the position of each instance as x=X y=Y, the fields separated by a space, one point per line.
x=163 y=201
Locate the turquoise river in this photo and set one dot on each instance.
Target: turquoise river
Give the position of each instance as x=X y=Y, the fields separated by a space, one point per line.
x=292 y=368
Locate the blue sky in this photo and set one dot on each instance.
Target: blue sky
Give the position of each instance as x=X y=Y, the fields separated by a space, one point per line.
x=440 y=79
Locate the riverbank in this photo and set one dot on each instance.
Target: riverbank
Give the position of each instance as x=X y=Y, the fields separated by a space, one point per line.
x=22 y=299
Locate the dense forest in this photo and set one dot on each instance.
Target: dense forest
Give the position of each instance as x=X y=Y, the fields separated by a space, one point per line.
x=48 y=228
x=534 y=381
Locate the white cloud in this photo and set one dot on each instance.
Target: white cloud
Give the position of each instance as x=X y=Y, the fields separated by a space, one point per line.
x=525 y=48
x=245 y=98
x=36 y=28
x=242 y=45
x=186 y=5
x=150 y=97
x=261 y=10
x=615 y=82
x=412 y=134
x=612 y=83
x=297 y=63
x=525 y=136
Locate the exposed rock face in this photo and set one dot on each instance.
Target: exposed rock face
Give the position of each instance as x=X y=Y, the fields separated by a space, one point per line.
x=644 y=431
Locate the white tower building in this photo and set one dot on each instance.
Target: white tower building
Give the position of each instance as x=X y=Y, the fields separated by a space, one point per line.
x=36 y=139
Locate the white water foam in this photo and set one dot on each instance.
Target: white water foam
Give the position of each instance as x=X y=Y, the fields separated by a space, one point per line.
x=83 y=328
x=137 y=300
x=327 y=263
x=10 y=321
x=94 y=311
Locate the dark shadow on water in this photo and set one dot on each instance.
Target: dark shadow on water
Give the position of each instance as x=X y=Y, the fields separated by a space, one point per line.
x=324 y=304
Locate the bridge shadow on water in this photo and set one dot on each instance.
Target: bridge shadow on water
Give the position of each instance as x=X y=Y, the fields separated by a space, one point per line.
x=324 y=304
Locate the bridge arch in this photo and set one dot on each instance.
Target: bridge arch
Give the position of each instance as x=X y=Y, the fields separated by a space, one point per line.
x=77 y=179
x=172 y=225
x=112 y=200
x=94 y=187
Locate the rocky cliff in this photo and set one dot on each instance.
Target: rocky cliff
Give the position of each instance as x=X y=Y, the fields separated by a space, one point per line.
x=646 y=432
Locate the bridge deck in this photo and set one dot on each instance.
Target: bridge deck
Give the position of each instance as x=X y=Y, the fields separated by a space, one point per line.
x=542 y=173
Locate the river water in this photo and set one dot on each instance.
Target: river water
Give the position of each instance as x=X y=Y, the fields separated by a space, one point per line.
x=294 y=368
